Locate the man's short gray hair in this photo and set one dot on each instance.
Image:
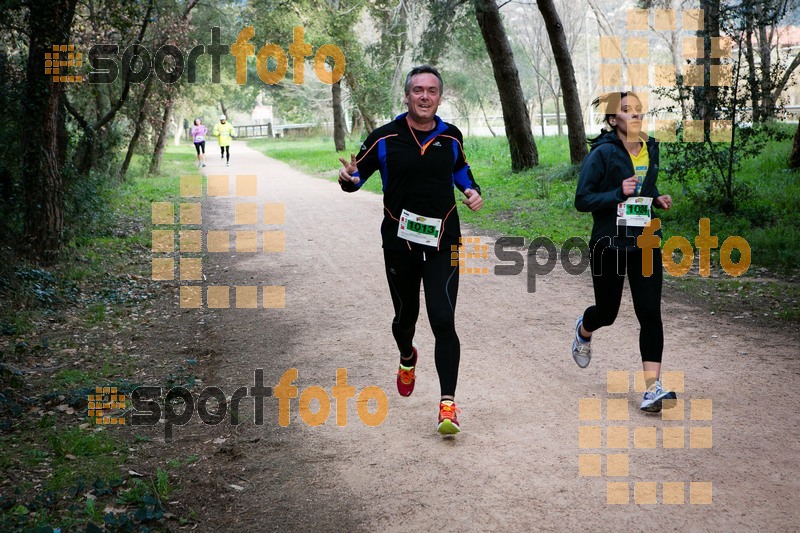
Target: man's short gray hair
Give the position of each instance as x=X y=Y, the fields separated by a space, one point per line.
x=423 y=69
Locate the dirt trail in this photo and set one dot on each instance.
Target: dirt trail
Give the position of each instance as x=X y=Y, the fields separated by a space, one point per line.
x=515 y=465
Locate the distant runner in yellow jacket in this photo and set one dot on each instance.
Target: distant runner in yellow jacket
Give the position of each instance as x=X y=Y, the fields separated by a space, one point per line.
x=224 y=131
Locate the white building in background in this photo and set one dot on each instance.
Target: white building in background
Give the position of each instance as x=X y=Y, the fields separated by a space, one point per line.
x=261 y=114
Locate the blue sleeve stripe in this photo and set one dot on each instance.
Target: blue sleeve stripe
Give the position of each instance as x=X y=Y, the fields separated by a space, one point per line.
x=461 y=178
x=360 y=181
x=382 y=162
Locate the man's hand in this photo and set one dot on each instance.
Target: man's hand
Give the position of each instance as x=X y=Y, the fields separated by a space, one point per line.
x=473 y=200
x=664 y=201
x=347 y=170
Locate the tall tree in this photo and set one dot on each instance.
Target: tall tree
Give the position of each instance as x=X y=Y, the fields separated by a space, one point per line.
x=706 y=96
x=794 y=158
x=162 y=127
x=138 y=126
x=339 y=122
x=773 y=73
x=338 y=29
x=327 y=22
x=524 y=154
x=569 y=86
x=177 y=30
x=105 y=106
x=49 y=23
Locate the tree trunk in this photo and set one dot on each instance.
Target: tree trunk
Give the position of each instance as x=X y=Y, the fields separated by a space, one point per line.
x=569 y=86
x=87 y=153
x=558 y=117
x=357 y=97
x=179 y=132
x=356 y=123
x=137 y=129
x=223 y=108
x=161 y=139
x=62 y=134
x=49 y=23
x=369 y=120
x=339 y=126
x=712 y=16
x=524 y=154
x=541 y=109
x=751 y=67
x=705 y=97
x=794 y=159
x=485 y=118
x=677 y=60
x=398 y=77
x=765 y=53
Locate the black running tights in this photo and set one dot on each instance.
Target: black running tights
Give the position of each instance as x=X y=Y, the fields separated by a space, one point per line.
x=609 y=266
x=404 y=271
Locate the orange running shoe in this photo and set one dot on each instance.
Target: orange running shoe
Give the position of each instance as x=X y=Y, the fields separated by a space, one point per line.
x=406 y=375
x=448 y=420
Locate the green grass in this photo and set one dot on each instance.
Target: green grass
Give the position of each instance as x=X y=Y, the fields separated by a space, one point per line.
x=314 y=156
x=74 y=378
x=766 y=216
x=539 y=202
x=530 y=204
x=129 y=222
x=83 y=454
x=87 y=287
x=757 y=298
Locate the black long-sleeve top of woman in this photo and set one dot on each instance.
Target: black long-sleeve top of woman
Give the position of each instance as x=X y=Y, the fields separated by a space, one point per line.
x=599 y=188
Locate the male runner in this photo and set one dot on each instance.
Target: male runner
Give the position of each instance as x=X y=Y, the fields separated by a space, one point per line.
x=420 y=159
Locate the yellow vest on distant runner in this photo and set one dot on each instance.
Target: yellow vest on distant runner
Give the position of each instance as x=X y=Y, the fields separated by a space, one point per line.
x=224 y=132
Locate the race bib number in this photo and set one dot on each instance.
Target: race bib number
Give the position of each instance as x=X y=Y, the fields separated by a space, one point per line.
x=635 y=211
x=199 y=139
x=419 y=229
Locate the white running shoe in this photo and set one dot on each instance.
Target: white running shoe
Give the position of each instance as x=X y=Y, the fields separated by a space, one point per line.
x=581 y=350
x=654 y=396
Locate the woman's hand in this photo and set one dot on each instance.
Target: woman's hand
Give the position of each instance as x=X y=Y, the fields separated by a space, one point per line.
x=629 y=185
x=664 y=201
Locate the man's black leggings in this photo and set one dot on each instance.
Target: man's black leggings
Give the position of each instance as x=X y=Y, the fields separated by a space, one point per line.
x=609 y=266
x=223 y=150
x=404 y=270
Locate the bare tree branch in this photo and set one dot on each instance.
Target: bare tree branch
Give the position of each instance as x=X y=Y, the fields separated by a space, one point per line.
x=781 y=84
